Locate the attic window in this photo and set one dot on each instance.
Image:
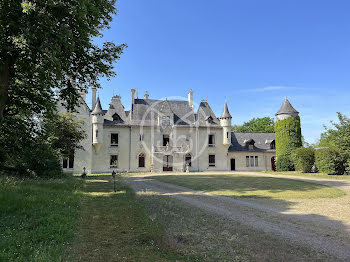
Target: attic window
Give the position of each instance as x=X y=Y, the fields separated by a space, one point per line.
x=250 y=144
x=273 y=144
x=117 y=118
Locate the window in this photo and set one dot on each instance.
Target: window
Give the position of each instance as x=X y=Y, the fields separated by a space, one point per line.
x=227 y=134
x=114 y=139
x=141 y=137
x=68 y=162
x=273 y=145
x=211 y=141
x=166 y=120
x=211 y=160
x=114 y=161
x=117 y=118
x=251 y=161
x=166 y=140
x=188 y=160
x=96 y=133
x=251 y=147
x=141 y=160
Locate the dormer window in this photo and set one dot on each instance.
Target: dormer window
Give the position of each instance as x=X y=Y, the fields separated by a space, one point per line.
x=117 y=118
x=273 y=144
x=250 y=143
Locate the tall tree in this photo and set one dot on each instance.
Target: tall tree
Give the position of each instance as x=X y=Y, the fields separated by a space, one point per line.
x=256 y=125
x=47 y=52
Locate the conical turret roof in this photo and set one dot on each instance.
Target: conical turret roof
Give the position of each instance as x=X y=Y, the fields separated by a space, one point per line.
x=287 y=108
x=226 y=113
x=98 y=108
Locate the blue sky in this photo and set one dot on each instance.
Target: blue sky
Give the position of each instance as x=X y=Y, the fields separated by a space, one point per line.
x=252 y=52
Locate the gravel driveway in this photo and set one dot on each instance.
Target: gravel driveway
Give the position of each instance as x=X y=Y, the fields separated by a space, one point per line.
x=286 y=219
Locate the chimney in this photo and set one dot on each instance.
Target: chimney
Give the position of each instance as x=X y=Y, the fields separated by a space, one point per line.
x=190 y=98
x=146 y=95
x=93 y=97
x=133 y=96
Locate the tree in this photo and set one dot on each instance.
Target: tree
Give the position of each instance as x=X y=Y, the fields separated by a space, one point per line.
x=35 y=146
x=256 y=125
x=47 y=52
x=64 y=132
x=339 y=136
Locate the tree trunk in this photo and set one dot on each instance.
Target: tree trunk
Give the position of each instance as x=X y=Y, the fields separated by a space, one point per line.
x=5 y=66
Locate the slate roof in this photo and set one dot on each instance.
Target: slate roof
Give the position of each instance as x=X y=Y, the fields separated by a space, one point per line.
x=286 y=108
x=205 y=115
x=226 y=113
x=98 y=108
x=146 y=111
x=262 y=142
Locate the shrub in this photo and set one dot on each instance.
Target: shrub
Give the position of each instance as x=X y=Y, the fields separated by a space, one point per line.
x=330 y=161
x=303 y=159
x=284 y=163
x=288 y=135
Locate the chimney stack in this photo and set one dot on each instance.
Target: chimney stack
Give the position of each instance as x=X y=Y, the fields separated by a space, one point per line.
x=133 y=96
x=146 y=95
x=93 y=97
x=190 y=98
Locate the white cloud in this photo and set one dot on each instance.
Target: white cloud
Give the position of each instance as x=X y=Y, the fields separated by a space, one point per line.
x=270 y=88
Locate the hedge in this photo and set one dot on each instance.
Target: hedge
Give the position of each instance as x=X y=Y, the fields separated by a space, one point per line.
x=284 y=163
x=330 y=161
x=288 y=135
x=303 y=159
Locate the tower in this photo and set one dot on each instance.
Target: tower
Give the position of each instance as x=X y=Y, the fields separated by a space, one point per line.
x=97 y=125
x=287 y=129
x=225 y=122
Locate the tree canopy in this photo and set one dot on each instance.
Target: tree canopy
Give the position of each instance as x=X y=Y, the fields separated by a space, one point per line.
x=338 y=136
x=256 y=125
x=47 y=52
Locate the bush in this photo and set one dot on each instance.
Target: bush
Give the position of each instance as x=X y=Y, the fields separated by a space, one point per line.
x=303 y=159
x=330 y=161
x=284 y=163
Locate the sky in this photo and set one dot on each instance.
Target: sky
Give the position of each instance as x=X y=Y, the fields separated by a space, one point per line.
x=254 y=53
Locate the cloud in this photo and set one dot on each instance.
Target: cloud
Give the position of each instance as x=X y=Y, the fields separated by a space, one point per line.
x=270 y=88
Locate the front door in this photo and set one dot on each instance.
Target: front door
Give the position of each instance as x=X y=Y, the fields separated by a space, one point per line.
x=273 y=163
x=167 y=163
x=233 y=164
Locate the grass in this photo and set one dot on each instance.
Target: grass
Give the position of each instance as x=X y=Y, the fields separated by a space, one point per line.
x=310 y=175
x=215 y=238
x=70 y=219
x=237 y=185
x=37 y=217
x=117 y=227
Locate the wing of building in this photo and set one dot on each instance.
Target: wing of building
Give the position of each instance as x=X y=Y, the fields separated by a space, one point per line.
x=165 y=135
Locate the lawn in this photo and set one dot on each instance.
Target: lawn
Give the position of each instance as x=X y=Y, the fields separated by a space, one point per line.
x=116 y=227
x=37 y=217
x=237 y=185
x=310 y=175
x=70 y=219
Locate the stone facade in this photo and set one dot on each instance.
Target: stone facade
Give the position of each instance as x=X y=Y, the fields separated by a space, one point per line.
x=165 y=135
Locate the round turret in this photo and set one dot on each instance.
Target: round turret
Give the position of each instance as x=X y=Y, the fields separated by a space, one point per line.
x=286 y=110
x=225 y=122
x=97 y=124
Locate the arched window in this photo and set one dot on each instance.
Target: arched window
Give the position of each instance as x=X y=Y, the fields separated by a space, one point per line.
x=188 y=160
x=141 y=160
